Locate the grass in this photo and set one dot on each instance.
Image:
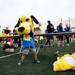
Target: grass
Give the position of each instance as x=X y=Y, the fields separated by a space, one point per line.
x=8 y=66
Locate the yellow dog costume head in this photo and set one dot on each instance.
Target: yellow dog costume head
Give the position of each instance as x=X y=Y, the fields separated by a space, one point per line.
x=26 y=24
x=65 y=62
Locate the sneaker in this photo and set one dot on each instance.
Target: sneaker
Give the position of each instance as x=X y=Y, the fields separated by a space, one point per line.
x=67 y=45
x=56 y=53
x=36 y=61
x=20 y=62
x=58 y=44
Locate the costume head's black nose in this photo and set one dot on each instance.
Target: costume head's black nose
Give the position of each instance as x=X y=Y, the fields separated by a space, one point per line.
x=21 y=29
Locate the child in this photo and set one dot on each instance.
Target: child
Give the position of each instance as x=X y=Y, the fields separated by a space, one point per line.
x=28 y=46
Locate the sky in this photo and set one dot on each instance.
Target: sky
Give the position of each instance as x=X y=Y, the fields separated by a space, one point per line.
x=43 y=10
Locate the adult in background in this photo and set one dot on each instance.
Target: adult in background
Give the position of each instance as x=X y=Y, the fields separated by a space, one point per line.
x=49 y=29
x=7 y=30
x=67 y=29
x=7 y=33
x=17 y=39
x=60 y=37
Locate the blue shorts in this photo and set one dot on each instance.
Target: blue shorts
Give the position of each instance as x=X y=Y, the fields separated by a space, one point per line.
x=28 y=44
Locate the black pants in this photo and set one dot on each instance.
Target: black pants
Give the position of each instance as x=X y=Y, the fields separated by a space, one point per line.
x=48 y=38
x=67 y=38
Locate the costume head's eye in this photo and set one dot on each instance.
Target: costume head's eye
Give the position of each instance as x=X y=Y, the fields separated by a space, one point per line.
x=21 y=21
x=27 y=19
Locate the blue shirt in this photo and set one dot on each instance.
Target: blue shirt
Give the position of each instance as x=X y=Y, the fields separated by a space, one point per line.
x=59 y=28
x=28 y=43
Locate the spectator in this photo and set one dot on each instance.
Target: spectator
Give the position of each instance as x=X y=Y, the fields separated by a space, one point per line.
x=67 y=29
x=60 y=37
x=50 y=29
x=7 y=33
x=16 y=39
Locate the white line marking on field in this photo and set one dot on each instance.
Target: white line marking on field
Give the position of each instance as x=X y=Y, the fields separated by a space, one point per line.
x=15 y=54
x=9 y=55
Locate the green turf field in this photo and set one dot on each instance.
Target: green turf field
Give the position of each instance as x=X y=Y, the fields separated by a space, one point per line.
x=8 y=66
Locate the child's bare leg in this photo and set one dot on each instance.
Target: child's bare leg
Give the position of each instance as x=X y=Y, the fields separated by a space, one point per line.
x=34 y=55
x=23 y=56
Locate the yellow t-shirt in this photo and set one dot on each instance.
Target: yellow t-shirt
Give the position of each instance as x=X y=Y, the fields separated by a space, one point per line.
x=26 y=37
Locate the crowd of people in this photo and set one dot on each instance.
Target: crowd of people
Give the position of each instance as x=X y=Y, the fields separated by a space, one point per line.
x=60 y=38
x=9 y=42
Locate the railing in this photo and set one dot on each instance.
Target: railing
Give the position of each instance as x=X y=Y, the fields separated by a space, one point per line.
x=62 y=33
x=47 y=34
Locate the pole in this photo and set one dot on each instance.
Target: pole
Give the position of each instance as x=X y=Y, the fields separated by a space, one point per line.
x=61 y=20
x=69 y=21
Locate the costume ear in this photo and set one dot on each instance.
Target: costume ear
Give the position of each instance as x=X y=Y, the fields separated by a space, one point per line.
x=17 y=25
x=34 y=19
